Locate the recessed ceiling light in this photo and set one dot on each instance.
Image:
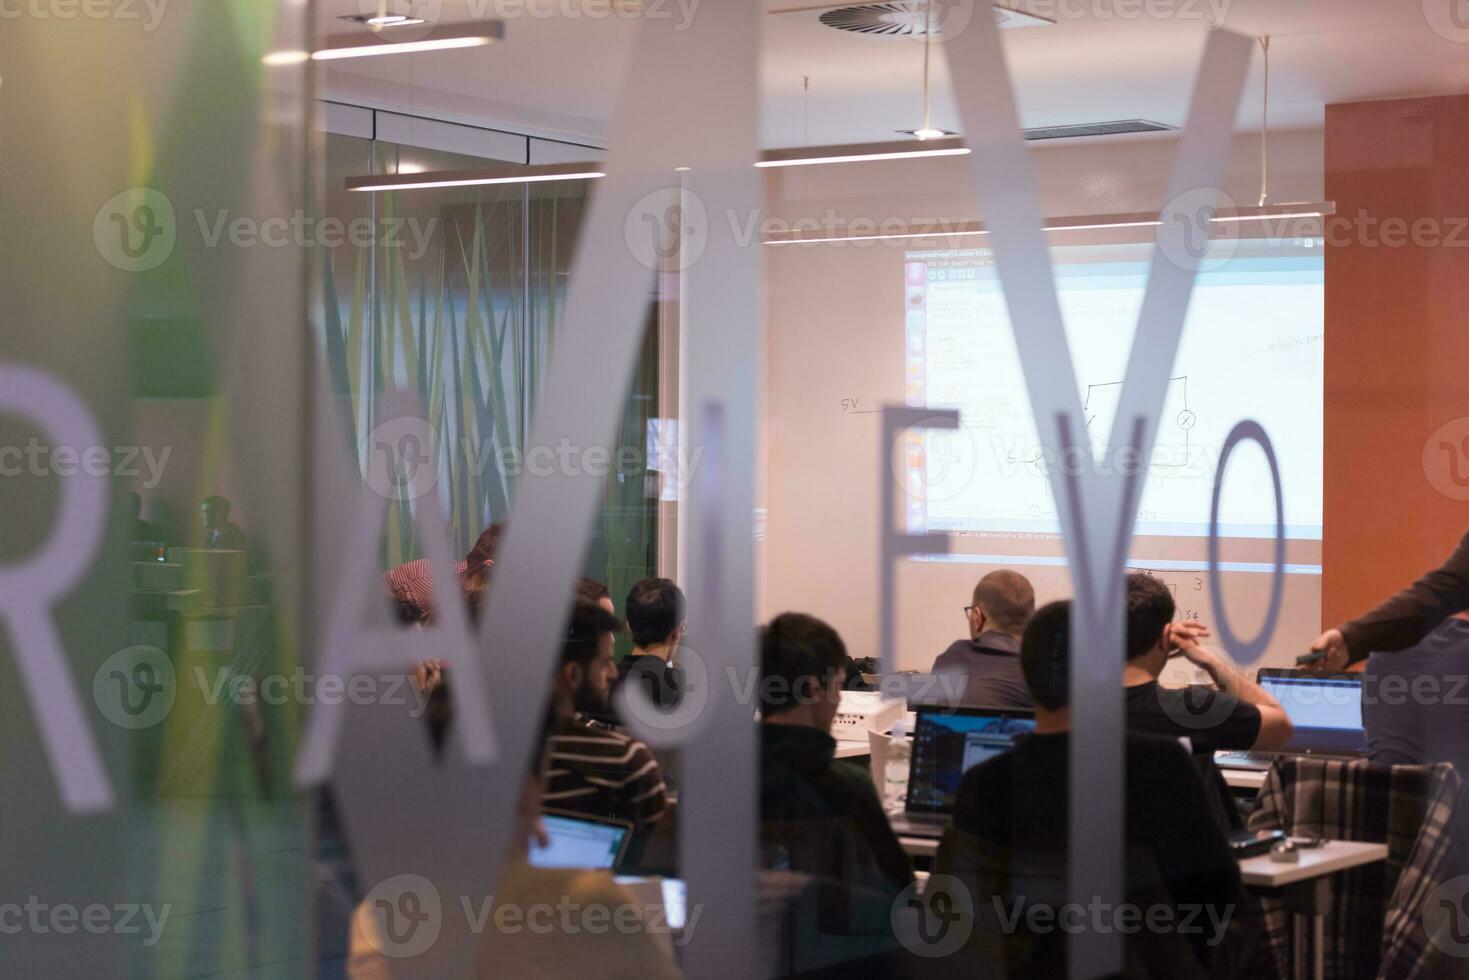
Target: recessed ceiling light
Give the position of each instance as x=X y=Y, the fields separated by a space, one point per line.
x=928 y=133
x=383 y=20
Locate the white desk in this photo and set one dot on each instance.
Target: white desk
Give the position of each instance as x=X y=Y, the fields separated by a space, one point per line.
x=1333 y=856
x=1244 y=778
x=1304 y=886
x=920 y=846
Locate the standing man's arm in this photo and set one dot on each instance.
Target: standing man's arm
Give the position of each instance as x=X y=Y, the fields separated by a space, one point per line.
x=1402 y=620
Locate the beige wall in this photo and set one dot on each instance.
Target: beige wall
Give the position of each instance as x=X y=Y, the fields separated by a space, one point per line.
x=834 y=320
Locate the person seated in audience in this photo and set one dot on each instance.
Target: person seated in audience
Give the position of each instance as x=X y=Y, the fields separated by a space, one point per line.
x=1014 y=808
x=821 y=819
x=144 y=532
x=578 y=943
x=590 y=590
x=219 y=530
x=412 y=584
x=1413 y=700
x=655 y=617
x=595 y=769
x=1239 y=715
x=831 y=805
x=988 y=661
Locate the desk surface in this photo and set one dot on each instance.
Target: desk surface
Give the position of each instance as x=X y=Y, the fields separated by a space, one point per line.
x=1333 y=856
x=849 y=749
x=1244 y=778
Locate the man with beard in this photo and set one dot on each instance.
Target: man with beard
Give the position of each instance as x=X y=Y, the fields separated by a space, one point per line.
x=594 y=769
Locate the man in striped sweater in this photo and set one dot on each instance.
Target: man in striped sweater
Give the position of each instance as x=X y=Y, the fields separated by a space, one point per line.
x=593 y=768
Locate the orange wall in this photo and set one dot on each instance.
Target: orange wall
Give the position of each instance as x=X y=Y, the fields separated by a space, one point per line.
x=1397 y=347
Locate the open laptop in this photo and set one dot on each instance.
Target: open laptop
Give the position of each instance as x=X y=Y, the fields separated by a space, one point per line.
x=581 y=841
x=1325 y=710
x=948 y=742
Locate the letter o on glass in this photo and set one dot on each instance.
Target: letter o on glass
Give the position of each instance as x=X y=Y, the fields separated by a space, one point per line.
x=1238 y=649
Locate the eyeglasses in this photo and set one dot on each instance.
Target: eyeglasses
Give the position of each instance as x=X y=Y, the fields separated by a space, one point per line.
x=970 y=610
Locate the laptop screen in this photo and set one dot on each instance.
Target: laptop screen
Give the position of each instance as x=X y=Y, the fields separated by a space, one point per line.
x=948 y=742
x=576 y=843
x=1327 y=711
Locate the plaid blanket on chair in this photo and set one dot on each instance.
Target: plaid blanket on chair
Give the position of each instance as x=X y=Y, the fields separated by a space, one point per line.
x=1375 y=925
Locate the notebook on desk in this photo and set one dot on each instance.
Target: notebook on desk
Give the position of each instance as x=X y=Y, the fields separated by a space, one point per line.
x=947 y=743
x=1325 y=710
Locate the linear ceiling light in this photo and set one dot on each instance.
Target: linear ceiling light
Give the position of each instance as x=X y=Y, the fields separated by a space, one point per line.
x=372 y=44
x=507 y=174
x=861 y=152
x=1279 y=212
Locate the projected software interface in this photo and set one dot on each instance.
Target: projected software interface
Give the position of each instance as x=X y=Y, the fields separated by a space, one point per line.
x=1251 y=349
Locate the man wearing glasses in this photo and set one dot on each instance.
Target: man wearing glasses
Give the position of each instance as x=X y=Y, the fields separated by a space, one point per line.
x=988 y=661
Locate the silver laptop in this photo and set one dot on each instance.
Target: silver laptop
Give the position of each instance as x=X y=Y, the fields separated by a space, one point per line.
x=1325 y=710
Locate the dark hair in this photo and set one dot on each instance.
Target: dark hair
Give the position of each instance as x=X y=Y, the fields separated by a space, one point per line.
x=1044 y=651
x=589 y=622
x=1150 y=608
x=1007 y=598
x=655 y=608
x=795 y=648
x=485 y=546
x=217 y=503
x=591 y=590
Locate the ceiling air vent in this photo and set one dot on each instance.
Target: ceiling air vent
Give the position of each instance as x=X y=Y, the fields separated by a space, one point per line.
x=909 y=18
x=1119 y=128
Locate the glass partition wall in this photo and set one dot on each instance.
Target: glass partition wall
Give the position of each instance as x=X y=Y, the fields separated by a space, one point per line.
x=458 y=299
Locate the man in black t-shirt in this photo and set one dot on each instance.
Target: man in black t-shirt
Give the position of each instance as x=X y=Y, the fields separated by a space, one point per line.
x=1180 y=869
x=1239 y=715
x=655 y=616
